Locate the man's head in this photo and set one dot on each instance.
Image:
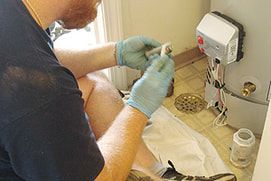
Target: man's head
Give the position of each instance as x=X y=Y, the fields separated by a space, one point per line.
x=80 y=13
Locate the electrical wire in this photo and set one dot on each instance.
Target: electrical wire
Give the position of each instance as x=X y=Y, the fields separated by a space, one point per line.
x=220 y=120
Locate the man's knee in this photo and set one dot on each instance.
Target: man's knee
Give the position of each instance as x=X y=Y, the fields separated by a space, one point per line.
x=97 y=83
x=102 y=102
x=100 y=83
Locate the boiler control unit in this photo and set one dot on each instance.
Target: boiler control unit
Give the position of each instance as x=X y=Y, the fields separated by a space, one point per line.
x=221 y=37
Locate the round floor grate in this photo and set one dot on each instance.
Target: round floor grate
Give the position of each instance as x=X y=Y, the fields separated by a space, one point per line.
x=189 y=103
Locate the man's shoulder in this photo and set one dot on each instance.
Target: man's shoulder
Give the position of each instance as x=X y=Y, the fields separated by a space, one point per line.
x=30 y=82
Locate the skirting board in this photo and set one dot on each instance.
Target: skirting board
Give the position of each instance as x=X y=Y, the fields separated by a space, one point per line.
x=187 y=57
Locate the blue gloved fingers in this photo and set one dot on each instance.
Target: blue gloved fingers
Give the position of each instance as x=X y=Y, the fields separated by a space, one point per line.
x=157 y=65
x=150 y=61
x=162 y=64
x=165 y=70
x=168 y=69
x=150 y=42
x=157 y=57
x=131 y=52
x=170 y=56
x=149 y=92
x=153 y=57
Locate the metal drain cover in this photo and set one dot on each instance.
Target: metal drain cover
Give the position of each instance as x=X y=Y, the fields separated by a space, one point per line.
x=189 y=103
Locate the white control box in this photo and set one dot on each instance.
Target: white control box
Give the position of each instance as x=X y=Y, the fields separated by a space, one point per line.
x=218 y=38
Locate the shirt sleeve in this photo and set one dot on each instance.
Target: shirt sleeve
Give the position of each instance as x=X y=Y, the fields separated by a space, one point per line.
x=54 y=143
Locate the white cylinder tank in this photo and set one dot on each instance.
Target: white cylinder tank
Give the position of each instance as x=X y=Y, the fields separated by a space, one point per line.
x=255 y=67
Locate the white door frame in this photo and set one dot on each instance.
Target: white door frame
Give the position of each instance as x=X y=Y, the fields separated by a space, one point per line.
x=112 y=14
x=263 y=163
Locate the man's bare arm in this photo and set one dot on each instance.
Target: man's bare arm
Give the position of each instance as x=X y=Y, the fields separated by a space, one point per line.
x=120 y=144
x=90 y=59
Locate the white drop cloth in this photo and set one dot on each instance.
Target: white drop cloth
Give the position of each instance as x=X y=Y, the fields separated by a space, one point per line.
x=191 y=153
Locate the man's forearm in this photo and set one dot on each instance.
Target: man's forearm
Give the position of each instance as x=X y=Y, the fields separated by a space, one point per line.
x=83 y=61
x=120 y=144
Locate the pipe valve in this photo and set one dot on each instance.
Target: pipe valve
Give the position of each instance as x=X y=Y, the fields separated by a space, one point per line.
x=248 y=89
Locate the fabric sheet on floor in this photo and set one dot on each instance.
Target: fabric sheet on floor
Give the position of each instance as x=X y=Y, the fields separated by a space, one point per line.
x=191 y=153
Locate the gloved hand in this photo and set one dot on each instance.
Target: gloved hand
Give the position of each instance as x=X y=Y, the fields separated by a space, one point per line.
x=149 y=92
x=131 y=52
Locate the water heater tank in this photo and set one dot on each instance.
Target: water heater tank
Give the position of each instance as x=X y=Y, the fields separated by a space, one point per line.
x=249 y=111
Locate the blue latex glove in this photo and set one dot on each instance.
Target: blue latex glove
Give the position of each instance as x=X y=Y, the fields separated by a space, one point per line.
x=149 y=92
x=131 y=52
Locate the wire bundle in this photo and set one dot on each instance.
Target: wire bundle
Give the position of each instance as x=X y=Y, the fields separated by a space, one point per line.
x=218 y=75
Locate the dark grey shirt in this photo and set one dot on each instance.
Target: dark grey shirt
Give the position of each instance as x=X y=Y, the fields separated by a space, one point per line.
x=44 y=131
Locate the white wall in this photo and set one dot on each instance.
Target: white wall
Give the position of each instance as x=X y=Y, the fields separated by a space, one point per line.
x=164 y=20
x=171 y=20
